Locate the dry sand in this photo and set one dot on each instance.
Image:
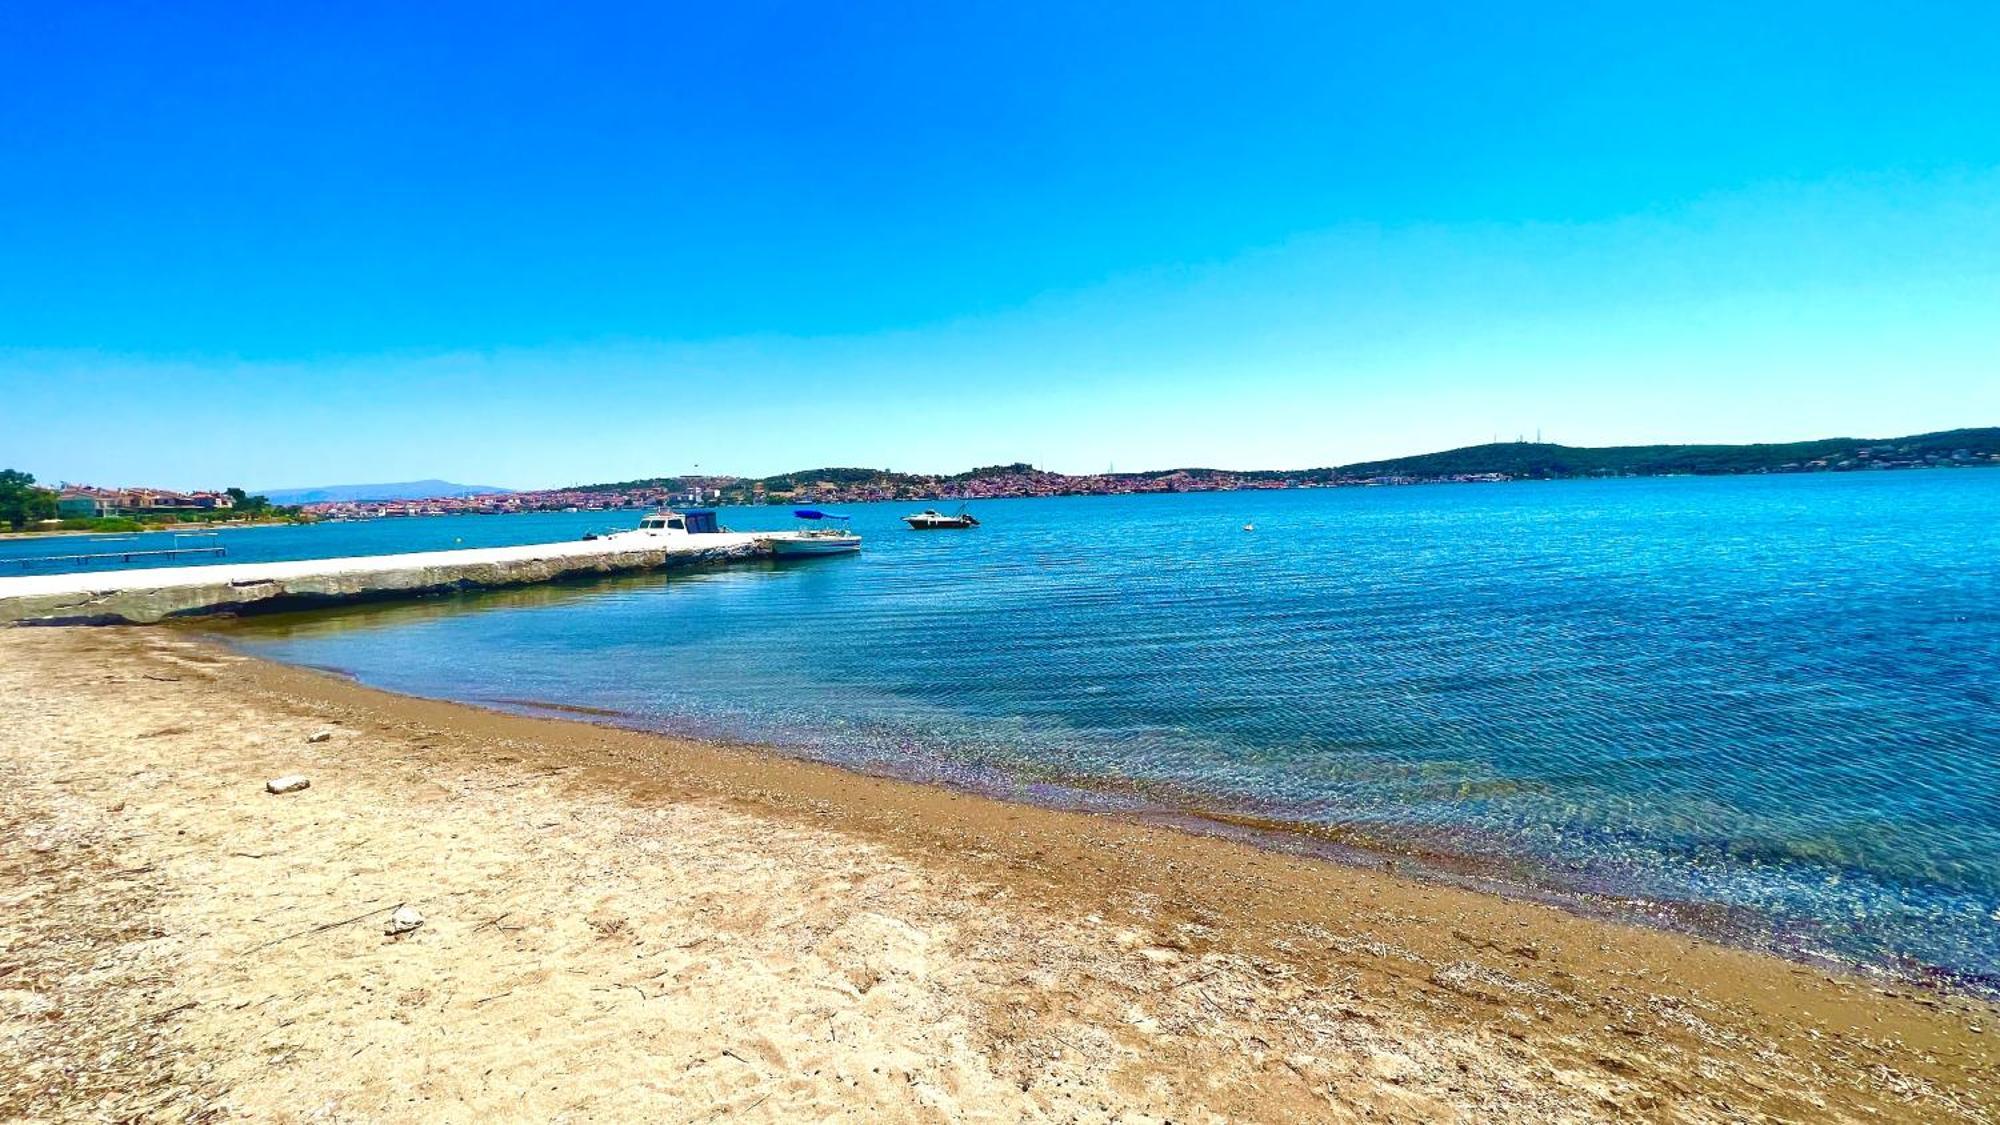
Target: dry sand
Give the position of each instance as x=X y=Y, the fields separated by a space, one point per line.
x=627 y=927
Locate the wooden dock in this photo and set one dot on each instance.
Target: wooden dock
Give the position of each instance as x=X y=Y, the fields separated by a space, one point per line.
x=154 y=594
x=106 y=556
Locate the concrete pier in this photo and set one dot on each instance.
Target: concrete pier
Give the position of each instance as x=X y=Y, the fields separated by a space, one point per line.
x=144 y=597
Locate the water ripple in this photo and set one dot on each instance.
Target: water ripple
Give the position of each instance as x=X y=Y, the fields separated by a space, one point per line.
x=1770 y=698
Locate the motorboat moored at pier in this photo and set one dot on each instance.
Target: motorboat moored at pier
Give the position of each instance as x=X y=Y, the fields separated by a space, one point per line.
x=815 y=538
x=665 y=524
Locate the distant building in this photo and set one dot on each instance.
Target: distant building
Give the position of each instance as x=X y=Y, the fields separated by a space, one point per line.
x=85 y=502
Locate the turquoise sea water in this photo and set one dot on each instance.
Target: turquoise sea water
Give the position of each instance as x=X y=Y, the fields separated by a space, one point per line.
x=283 y=543
x=1764 y=707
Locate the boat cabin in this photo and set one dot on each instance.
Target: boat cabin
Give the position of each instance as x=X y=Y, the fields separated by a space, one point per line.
x=694 y=522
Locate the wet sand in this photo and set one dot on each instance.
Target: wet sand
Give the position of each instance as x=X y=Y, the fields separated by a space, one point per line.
x=623 y=926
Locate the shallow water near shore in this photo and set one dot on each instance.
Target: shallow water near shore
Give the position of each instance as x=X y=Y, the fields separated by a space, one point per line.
x=1769 y=706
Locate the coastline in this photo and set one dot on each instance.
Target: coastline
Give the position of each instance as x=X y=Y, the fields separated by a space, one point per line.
x=232 y=525
x=1018 y=961
x=1420 y=858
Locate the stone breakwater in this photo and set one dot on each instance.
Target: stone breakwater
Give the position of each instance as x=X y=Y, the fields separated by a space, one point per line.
x=146 y=597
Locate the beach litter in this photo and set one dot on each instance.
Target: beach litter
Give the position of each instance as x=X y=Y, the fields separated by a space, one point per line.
x=290 y=783
x=404 y=920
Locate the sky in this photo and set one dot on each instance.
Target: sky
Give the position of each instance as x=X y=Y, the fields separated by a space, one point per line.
x=285 y=245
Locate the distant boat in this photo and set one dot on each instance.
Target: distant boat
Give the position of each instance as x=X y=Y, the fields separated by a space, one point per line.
x=930 y=519
x=1249 y=527
x=814 y=539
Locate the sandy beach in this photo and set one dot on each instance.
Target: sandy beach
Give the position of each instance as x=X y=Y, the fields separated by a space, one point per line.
x=619 y=926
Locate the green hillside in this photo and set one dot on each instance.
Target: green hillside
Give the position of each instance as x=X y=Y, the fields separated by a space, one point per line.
x=1537 y=460
x=1516 y=460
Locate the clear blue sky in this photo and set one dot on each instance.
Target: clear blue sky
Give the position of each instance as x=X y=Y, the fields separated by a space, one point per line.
x=297 y=244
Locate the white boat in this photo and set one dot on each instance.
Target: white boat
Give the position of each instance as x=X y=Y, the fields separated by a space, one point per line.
x=668 y=525
x=813 y=539
x=930 y=519
x=804 y=544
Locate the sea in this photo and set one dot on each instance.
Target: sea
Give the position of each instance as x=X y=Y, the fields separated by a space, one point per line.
x=1765 y=709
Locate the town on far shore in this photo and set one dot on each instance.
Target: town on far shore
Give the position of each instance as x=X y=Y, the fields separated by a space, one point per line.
x=1495 y=463
x=27 y=506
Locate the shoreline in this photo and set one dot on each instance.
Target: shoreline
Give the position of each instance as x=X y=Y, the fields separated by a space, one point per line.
x=1412 y=859
x=1416 y=857
x=1044 y=963
x=231 y=525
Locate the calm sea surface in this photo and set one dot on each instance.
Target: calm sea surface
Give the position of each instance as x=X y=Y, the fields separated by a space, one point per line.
x=1767 y=707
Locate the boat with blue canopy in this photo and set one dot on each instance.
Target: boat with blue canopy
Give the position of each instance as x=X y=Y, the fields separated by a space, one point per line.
x=820 y=533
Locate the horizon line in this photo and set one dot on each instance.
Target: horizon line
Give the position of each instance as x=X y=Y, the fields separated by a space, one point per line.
x=1032 y=466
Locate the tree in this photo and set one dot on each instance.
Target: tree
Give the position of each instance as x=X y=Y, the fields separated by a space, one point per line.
x=21 y=502
x=244 y=502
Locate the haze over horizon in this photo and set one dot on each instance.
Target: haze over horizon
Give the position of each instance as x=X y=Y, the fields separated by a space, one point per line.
x=289 y=249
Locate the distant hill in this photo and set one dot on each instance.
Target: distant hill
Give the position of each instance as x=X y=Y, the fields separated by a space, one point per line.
x=1517 y=460
x=404 y=490
x=1535 y=460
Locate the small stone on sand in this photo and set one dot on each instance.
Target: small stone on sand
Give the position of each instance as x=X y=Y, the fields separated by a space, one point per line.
x=320 y=736
x=290 y=783
x=403 y=921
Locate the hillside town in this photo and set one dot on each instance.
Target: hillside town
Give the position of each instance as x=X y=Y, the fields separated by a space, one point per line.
x=1490 y=464
x=1523 y=461
x=83 y=501
x=27 y=507
x=1009 y=482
